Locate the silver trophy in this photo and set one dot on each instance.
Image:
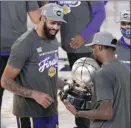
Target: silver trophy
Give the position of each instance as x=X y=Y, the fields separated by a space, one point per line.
x=79 y=91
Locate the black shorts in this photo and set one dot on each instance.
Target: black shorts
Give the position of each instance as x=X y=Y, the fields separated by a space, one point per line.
x=3 y=62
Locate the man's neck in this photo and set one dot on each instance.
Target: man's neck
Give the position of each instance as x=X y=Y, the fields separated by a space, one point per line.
x=108 y=59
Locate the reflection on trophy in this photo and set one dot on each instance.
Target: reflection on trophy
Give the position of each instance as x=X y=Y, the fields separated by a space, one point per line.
x=79 y=92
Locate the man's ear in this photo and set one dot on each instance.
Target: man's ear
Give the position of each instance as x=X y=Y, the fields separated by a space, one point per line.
x=43 y=18
x=40 y=18
x=101 y=47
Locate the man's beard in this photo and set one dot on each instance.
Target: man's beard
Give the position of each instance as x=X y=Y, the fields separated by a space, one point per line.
x=47 y=33
x=97 y=60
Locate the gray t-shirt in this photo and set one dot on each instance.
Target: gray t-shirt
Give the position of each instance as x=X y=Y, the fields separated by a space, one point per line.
x=112 y=82
x=38 y=60
x=124 y=54
x=14 y=21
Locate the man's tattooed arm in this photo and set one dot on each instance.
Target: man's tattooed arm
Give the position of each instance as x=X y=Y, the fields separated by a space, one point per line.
x=8 y=82
x=104 y=112
x=17 y=89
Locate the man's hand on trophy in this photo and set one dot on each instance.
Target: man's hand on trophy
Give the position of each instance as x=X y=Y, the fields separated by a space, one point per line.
x=70 y=107
x=64 y=85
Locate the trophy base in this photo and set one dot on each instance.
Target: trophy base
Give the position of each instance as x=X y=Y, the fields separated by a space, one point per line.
x=80 y=100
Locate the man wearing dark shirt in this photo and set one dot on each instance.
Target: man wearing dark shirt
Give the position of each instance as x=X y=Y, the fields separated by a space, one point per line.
x=111 y=87
x=31 y=72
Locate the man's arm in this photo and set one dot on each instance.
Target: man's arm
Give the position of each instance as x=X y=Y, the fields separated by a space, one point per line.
x=98 y=16
x=104 y=82
x=33 y=11
x=8 y=82
x=35 y=16
x=103 y=113
x=15 y=64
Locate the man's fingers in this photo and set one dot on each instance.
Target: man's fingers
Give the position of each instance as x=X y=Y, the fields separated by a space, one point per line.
x=71 y=109
x=46 y=103
x=49 y=98
x=74 y=45
x=66 y=102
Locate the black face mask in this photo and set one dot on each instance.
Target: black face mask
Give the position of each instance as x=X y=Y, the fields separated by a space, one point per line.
x=47 y=32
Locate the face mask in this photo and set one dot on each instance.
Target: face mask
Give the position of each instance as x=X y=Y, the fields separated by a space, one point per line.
x=126 y=32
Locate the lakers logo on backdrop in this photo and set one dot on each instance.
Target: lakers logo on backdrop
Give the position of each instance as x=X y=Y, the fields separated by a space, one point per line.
x=67 y=5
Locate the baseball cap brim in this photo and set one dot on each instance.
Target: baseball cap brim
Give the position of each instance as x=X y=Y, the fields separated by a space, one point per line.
x=91 y=44
x=56 y=19
x=123 y=21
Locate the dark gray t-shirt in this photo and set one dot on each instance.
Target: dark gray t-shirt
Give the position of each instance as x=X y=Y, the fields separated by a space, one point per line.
x=79 y=15
x=14 y=21
x=112 y=82
x=124 y=55
x=38 y=60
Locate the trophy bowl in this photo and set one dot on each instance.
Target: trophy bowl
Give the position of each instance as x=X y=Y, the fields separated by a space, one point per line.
x=80 y=99
x=83 y=71
x=79 y=92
